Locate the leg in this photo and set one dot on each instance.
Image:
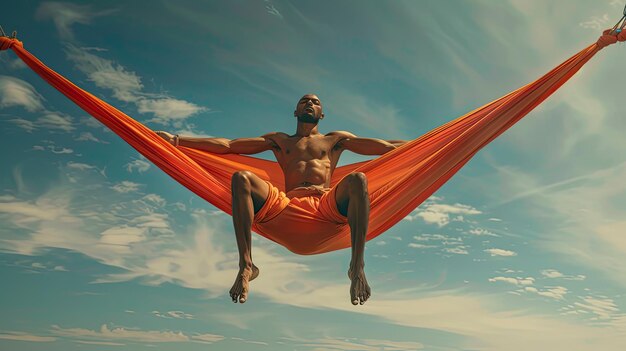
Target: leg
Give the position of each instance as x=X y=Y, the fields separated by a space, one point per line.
x=353 y=201
x=249 y=195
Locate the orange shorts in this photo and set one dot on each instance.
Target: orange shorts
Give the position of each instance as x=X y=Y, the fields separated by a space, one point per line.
x=300 y=219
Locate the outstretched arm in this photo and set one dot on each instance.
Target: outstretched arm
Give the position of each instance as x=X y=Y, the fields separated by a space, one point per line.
x=397 y=143
x=365 y=146
x=223 y=145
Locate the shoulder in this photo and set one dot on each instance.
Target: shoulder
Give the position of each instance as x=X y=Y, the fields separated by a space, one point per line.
x=341 y=134
x=275 y=138
x=275 y=135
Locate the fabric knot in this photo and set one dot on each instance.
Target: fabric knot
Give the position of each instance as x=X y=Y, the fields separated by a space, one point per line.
x=6 y=43
x=607 y=39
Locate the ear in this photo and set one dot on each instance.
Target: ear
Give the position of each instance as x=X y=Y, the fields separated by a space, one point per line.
x=322 y=115
x=294 y=114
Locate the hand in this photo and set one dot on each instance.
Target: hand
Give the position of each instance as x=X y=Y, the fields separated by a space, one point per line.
x=167 y=136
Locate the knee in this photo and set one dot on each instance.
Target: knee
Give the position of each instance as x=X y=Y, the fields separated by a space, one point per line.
x=240 y=181
x=357 y=182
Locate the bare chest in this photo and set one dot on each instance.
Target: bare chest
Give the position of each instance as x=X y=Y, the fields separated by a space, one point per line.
x=305 y=149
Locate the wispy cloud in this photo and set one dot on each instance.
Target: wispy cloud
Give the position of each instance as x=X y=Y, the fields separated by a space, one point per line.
x=139 y=165
x=126 y=186
x=173 y=314
x=553 y=273
x=353 y=344
x=21 y=336
x=127 y=86
x=133 y=335
x=604 y=308
x=65 y=15
x=88 y=136
x=514 y=281
x=18 y=93
x=442 y=214
x=500 y=252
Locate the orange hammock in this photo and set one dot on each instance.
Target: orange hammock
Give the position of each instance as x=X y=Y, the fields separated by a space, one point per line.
x=398 y=181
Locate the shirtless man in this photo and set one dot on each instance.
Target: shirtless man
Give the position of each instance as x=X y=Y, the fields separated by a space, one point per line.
x=308 y=159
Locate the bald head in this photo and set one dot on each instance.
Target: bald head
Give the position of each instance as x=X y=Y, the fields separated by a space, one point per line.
x=309 y=109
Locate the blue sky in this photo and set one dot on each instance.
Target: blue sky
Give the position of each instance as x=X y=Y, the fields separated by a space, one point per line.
x=522 y=249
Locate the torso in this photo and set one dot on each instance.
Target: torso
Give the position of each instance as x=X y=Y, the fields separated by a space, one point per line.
x=307 y=161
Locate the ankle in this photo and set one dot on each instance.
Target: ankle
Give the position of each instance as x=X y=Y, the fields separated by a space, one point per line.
x=357 y=267
x=245 y=266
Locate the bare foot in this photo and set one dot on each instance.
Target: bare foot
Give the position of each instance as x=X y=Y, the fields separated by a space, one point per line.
x=359 y=289
x=239 y=291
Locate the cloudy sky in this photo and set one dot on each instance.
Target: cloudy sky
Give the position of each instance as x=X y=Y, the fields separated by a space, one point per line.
x=523 y=249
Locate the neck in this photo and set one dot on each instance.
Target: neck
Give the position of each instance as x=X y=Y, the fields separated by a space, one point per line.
x=306 y=129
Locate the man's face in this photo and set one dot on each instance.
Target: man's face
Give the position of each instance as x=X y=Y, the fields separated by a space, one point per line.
x=309 y=109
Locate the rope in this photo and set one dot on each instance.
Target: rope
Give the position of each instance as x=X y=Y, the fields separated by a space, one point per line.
x=619 y=26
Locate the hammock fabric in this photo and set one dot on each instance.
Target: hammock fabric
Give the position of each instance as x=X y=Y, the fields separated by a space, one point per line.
x=398 y=181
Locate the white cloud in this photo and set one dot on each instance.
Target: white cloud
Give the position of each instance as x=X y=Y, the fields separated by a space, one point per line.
x=17 y=64
x=157 y=200
x=80 y=166
x=33 y=211
x=126 y=86
x=173 y=314
x=439 y=214
x=61 y=150
x=55 y=120
x=138 y=165
x=107 y=75
x=553 y=273
x=107 y=343
x=500 y=252
x=38 y=265
x=21 y=336
x=459 y=250
x=168 y=109
x=603 y=308
x=353 y=344
x=515 y=281
x=122 y=235
x=119 y=333
x=556 y=292
x=16 y=92
x=126 y=186
x=87 y=136
x=24 y=124
x=421 y=246
x=437 y=237
x=65 y=15
x=207 y=338
x=481 y=231
x=596 y=22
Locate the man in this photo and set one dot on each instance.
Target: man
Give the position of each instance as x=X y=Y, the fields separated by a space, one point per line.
x=308 y=160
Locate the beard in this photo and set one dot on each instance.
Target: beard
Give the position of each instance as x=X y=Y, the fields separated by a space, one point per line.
x=307 y=118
